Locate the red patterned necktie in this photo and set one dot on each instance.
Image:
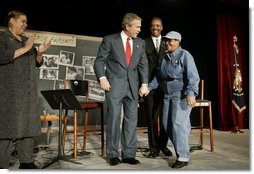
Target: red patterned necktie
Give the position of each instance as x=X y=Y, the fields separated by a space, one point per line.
x=128 y=51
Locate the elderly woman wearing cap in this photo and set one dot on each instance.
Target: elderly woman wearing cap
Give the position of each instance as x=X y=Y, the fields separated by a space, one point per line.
x=179 y=71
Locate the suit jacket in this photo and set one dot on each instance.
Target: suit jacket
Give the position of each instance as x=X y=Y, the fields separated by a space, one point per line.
x=111 y=62
x=154 y=58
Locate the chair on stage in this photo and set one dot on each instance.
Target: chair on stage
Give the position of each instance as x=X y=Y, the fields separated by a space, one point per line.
x=80 y=89
x=49 y=118
x=202 y=104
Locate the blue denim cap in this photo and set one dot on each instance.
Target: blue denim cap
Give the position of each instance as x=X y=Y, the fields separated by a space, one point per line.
x=173 y=35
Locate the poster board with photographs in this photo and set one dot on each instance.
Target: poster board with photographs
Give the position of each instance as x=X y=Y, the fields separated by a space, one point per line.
x=69 y=57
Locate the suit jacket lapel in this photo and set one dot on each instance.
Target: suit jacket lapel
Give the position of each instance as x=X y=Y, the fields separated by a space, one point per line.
x=120 y=48
x=134 y=52
x=150 y=46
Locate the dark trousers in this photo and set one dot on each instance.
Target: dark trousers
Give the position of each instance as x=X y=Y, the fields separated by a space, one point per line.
x=153 y=109
x=24 y=148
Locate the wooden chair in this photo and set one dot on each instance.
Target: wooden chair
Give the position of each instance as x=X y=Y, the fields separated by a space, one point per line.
x=49 y=119
x=202 y=104
x=81 y=90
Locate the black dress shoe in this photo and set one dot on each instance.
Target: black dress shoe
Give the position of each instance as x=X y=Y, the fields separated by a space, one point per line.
x=152 y=154
x=114 y=161
x=132 y=161
x=179 y=164
x=28 y=166
x=166 y=151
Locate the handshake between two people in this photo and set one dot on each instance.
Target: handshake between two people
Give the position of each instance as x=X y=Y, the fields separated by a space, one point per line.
x=144 y=90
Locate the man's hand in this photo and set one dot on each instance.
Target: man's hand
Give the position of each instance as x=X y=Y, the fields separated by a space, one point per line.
x=105 y=84
x=143 y=91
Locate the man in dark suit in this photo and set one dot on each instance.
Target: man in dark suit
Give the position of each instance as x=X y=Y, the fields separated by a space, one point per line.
x=155 y=52
x=119 y=77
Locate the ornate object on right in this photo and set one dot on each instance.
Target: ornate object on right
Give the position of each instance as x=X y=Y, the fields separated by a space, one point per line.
x=238 y=94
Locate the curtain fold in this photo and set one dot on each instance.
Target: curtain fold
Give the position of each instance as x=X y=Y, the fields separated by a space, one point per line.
x=228 y=25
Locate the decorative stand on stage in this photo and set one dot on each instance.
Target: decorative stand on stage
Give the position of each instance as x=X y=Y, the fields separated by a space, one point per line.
x=61 y=99
x=238 y=94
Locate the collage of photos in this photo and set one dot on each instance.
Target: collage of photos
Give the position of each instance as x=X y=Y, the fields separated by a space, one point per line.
x=50 y=71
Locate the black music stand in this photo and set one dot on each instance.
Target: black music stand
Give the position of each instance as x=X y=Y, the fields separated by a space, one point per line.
x=61 y=99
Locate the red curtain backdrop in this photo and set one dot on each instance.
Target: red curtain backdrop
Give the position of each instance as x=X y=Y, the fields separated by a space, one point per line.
x=228 y=25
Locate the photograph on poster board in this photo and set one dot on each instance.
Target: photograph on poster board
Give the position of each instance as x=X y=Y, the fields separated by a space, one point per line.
x=95 y=91
x=87 y=62
x=75 y=73
x=50 y=61
x=66 y=58
x=49 y=74
x=58 y=84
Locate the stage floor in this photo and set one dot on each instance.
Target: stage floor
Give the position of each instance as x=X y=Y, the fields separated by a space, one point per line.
x=231 y=152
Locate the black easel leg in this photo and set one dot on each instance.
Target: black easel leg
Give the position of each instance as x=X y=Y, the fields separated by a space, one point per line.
x=60 y=153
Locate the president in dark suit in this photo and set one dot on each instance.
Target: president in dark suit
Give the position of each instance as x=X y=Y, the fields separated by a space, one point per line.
x=121 y=66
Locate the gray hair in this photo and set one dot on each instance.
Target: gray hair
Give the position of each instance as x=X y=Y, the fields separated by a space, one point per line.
x=128 y=19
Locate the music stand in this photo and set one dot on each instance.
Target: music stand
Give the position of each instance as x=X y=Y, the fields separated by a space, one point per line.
x=61 y=99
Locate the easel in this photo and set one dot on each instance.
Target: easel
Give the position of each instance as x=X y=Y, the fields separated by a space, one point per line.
x=61 y=99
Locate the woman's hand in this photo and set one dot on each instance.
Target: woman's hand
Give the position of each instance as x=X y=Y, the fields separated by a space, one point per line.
x=44 y=46
x=191 y=101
